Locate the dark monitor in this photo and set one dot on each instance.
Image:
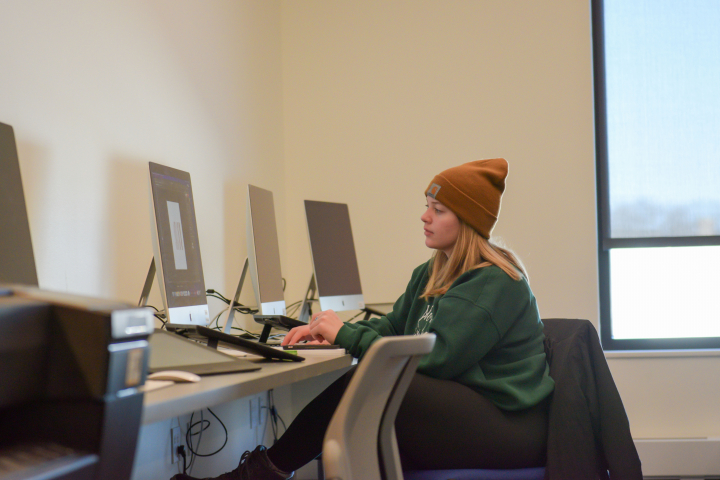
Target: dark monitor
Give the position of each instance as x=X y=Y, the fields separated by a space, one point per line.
x=17 y=261
x=264 y=252
x=333 y=256
x=176 y=246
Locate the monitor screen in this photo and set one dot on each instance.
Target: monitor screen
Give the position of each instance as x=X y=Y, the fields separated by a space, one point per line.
x=17 y=261
x=333 y=256
x=176 y=246
x=264 y=252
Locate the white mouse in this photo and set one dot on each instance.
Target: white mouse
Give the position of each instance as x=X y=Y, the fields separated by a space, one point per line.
x=175 y=376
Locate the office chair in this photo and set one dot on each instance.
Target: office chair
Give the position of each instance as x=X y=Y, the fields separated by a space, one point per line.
x=360 y=441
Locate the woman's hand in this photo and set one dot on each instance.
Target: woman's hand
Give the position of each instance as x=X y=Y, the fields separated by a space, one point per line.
x=297 y=334
x=323 y=328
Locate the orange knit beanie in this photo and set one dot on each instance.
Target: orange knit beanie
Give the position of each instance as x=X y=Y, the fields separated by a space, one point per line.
x=472 y=191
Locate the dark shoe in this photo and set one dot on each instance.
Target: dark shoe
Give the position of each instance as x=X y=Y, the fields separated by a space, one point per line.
x=254 y=465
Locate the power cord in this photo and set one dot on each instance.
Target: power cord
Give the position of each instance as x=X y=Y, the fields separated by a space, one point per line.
x=293 y=309
x=159 y=314
x=204 y=425
x=181 y=452
x=356 y=316
x=274 y=416
x=239 y=307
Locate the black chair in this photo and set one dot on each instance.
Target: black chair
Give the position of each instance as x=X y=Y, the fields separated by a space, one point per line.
x=588 y=433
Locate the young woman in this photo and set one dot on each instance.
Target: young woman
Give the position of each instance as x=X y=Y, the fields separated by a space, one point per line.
x=479 y=400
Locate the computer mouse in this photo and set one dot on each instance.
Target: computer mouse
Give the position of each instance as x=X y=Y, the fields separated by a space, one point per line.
x=175 y=376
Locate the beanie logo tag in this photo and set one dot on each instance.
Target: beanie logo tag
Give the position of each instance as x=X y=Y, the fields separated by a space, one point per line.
x=433 y=190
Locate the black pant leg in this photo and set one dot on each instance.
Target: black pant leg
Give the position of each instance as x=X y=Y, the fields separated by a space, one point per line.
x=442 y=424
x=302 y=441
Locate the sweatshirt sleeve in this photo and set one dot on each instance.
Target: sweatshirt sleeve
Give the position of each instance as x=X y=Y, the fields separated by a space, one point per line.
x=357 y=337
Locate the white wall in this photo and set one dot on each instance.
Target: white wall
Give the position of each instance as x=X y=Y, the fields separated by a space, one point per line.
x=95 y=90
x=381 y=97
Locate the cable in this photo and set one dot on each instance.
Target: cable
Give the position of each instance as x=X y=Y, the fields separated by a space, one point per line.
x=216 y=319
x=354 y=317
x=273 y=415
x=188 y=438
x=239 y=307
x=181 y=452
x=159 y=314
x=204 y=425
x=293 y=308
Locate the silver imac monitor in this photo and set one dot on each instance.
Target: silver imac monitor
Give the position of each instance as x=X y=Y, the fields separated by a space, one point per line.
x=17 y=261
x=176 y=246
x=333 y=256
x=264 y=252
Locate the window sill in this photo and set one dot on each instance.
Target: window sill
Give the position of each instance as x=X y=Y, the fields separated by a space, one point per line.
x=661 y=353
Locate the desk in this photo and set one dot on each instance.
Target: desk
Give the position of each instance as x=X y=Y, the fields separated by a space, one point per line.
x=224 y=394
x=212 y=390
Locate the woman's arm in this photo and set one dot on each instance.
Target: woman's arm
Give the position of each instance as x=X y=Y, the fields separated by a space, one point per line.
x=357 y=337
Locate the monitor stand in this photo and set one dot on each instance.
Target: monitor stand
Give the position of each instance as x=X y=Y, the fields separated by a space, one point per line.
x=213 y=337
x=148 y=284
x=281 y=322
x=236 y=299
x=269 y=321
x=306 y=309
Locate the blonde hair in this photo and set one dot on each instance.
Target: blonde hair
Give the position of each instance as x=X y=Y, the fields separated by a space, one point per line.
x=471 y=251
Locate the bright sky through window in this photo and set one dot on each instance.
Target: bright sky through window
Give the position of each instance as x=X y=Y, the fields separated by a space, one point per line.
x=662 y=61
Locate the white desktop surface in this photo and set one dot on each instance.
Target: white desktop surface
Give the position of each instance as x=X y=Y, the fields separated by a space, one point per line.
x=183 y=398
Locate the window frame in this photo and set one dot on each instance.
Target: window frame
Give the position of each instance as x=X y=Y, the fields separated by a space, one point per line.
x=605 y=241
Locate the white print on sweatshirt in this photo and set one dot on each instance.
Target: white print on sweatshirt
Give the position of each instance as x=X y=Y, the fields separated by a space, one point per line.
x=423 y=324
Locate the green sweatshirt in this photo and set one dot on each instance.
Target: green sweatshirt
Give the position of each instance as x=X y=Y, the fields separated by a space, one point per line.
x=489 y=335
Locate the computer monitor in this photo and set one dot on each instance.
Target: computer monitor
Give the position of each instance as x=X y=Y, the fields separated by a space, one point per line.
x=264 y=252
x=333 y=256
x=176 y=246
x=17 y=261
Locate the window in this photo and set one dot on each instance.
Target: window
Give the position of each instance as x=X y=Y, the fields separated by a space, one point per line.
x=657 y=108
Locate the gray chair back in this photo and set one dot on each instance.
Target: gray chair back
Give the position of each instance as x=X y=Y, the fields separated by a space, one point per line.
x=360 y=441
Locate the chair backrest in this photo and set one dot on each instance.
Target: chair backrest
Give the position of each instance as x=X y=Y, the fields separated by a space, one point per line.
x=360 y=440
x=588 y=432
